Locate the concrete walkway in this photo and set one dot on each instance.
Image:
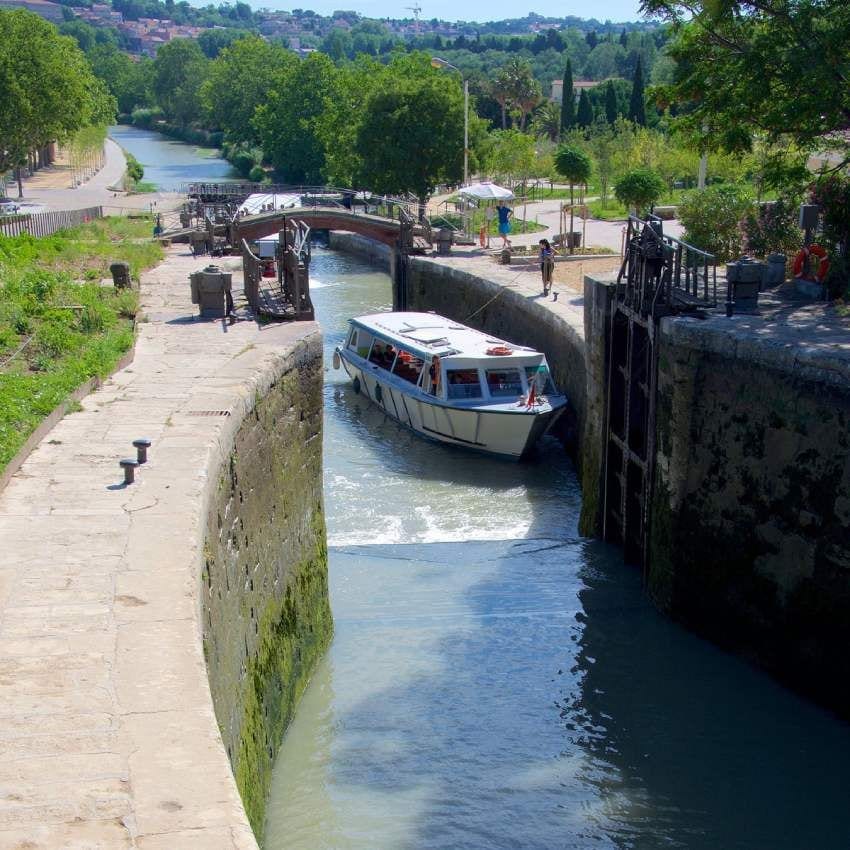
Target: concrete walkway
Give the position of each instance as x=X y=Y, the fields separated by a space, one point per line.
x=43 y=191
x=107 y=731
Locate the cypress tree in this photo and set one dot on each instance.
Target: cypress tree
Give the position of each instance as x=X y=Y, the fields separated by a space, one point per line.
x=610 y=103
x=637 y=107
x=624 y=39
x=592 y=39
x=568 y=106
x=584 y=118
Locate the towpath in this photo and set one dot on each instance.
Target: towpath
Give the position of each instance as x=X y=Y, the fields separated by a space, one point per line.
x=50 y=189
x=108 y=734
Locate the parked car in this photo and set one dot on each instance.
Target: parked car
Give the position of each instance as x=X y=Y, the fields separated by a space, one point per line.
x=8 y=207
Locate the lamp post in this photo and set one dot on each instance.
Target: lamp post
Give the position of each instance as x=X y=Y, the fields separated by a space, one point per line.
x=436 y=62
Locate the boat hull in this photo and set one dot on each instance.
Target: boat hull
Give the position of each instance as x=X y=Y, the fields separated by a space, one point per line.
x=509 y=434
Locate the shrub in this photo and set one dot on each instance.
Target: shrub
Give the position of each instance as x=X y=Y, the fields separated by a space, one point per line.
x=772 y=228
x=640 y=189
x=135 y=170
x=257 y=174
x=832 y=194
x=146 y=116
x=243 y=161
x=712 y=218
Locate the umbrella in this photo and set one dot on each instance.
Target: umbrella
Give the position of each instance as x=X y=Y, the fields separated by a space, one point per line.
x=486 y=192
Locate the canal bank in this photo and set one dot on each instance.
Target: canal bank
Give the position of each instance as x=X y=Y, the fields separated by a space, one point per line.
x=113 y=596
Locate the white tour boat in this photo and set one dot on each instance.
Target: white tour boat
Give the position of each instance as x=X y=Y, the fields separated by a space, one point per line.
x=451 y=383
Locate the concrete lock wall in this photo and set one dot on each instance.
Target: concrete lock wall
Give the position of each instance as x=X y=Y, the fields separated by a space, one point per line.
x=264 y=593
x=750 y=520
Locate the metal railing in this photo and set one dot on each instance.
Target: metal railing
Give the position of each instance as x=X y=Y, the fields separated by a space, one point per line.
x=665 y=273
x=47 y=223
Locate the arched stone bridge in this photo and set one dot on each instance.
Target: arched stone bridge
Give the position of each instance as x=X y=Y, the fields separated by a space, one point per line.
x=379 y=228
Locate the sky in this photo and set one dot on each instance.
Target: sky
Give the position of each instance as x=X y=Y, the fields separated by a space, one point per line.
x=469 y=10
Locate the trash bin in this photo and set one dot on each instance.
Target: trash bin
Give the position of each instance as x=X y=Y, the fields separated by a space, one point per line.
x=444 y=241
x=775 y=273
x=121 y=275
x=211 y=292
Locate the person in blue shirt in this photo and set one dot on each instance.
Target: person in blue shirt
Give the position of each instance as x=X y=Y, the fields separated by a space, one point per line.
x=504 y=212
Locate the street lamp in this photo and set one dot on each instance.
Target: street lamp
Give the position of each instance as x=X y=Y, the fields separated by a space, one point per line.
x=436 y=62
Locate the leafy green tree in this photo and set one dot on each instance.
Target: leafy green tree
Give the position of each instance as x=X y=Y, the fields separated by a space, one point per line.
x=180 y=68
x=238 y=81
x=779 y=67
x=129 y=82
x=547 y=121
x=511 y=155
x=288 y=121
x=575 y=166
x=213 y=41
x=411 y=136
x=602 y=145
x=637 y=104
x=338 y=44
x=639 y=189
x=584 y=116
x=568 y=104
x=611 y=111
x=48 y=89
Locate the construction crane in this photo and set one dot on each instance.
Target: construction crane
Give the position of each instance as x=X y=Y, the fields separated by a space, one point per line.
x=416 y=9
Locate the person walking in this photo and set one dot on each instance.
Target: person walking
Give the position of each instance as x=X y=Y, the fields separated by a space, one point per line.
x=504 y=212
x=547 y=264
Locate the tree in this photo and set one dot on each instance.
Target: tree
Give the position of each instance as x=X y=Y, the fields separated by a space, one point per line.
x=547 y=121
x=288 y=121
x=411 y=136
x=778 y=67
x=511 y=154
x=611 y=111
x=48 y=89
x=592 y=39
x=574 y=165
x=129 y=82
x=712 y=219
x=584 y=116
x=639 y=189
x=637 y=104
x=568 y=105
x=213 y=41
x=238 y=81
x=180 y=68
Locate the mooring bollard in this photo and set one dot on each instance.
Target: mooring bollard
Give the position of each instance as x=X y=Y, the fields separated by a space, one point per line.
x=142 y=445
x=129 y=464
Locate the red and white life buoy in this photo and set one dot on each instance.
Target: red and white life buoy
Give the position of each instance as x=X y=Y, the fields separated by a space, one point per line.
x=814 y=250
x=499 y=351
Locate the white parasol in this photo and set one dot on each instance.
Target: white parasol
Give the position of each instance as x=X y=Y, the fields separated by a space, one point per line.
x=486 y=192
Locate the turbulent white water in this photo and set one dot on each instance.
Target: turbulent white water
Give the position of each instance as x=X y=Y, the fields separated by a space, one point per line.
x=496 y=682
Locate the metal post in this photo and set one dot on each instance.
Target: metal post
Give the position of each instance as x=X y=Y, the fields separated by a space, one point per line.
x=465 y=132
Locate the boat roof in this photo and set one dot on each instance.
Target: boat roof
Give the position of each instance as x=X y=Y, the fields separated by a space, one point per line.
x=433 y=334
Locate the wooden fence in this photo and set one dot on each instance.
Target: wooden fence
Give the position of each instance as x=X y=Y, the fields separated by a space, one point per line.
x=44 y=224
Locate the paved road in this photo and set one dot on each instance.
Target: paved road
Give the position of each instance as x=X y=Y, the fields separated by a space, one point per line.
x=97 y=191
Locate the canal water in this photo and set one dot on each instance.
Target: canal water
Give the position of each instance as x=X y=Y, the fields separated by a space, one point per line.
x=169 y=163
x=495 y=681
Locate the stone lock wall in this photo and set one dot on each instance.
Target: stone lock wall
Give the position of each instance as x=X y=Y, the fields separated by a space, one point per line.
x=264 y=594
x=750 y=521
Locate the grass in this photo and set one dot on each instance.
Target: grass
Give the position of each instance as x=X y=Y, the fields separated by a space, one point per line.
x=58 y=326
x=144 y=187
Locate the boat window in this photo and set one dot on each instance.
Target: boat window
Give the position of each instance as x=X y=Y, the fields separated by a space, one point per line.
x=463 y=383
x=504 y=382
x=352 y=338
x=382 y=354
x=539 y=375
x=408 y=366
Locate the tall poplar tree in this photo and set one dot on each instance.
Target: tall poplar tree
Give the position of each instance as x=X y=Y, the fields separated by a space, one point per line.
x=610 y=103
x=584 y=117
x=637 y=105
x=568 y=106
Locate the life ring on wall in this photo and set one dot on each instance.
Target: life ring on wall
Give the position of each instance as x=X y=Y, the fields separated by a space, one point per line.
x=814 y=250
x=499 y=351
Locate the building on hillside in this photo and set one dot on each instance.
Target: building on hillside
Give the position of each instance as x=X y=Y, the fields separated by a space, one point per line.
x=42 y=8
x=578 y=85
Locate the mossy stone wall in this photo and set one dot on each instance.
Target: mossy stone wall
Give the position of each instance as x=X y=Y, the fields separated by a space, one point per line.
x=266 y=614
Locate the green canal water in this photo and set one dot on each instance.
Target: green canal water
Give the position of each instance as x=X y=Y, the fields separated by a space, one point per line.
x=497 y=682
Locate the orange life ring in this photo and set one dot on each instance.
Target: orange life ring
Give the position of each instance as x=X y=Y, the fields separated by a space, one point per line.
x=499 y=350
x=822 y=266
